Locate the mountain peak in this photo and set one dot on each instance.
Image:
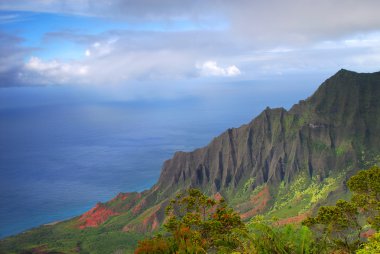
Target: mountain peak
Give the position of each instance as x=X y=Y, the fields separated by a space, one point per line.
x=346 y=71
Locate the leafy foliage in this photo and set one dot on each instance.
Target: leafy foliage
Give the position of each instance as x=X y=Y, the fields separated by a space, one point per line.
x=339 y=227
x=372 y=246
x=197 y=224
x=366 y=188
x=265 y=236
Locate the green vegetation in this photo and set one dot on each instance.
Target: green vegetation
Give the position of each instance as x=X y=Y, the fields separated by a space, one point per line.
x=343 y=148
x=303 y=194
x=198 y=224
x=63 y=238
x=339 y=227
x=266 y=236
x=366 y=188
x=372 y=246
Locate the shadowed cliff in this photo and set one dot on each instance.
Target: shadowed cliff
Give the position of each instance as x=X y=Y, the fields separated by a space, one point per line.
x=326 y=132
x=333 y=131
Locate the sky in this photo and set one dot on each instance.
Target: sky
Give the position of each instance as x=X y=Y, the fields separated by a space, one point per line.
x=165 y=43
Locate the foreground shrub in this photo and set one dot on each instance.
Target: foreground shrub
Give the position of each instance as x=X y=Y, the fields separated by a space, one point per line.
x=196 y=223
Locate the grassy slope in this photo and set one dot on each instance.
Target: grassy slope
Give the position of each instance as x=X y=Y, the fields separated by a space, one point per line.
x=303 y=195
x=64 y=237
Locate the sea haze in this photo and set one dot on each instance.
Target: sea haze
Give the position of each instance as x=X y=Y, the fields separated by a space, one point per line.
x=63 y=149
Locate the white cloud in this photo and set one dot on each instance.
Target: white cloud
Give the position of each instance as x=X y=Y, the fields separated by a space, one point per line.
x=260 y=37
x=259 y=22
x=102 y=48
x=211 y=68
x=53 y=71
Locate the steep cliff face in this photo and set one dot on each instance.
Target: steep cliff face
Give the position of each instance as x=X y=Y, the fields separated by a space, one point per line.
x=331 y=132
x=318 y=142
x=324 y=133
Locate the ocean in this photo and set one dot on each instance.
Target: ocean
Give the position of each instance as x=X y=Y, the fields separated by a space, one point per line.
x=63 y=150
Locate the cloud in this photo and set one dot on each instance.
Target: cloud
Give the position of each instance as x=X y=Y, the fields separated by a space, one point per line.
x=41 y=72
x=260 y=37
x=11 y=18
x=126 y=9
x=260 y=23
x=120 y=56
x=101 y=48
x=211 y=68
x=12 y=55
x=273 y=23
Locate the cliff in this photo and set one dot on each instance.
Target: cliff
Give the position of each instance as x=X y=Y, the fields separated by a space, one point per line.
x=321 y=134
x=319 y=141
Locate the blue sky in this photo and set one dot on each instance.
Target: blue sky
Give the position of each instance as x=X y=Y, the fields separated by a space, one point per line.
x=117 y=43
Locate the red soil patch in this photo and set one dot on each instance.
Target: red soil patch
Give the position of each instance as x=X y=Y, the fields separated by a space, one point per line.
x=122 y=196
x=367 y=234
x=218 y=196
x=96 y=216
x=258 y=202
x=292 y=220
x=152 y=219
x=124 y=201
x=150 y=222
x=155 y=187
x=139 y=207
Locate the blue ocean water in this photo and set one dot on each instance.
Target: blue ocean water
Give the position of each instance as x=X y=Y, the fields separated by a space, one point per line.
x=61 y=152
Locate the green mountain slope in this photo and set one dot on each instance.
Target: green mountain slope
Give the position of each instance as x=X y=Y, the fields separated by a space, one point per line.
x=283 y=164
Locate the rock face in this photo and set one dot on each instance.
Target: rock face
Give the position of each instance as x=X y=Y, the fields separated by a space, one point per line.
x=323 y=133
x=335 y=129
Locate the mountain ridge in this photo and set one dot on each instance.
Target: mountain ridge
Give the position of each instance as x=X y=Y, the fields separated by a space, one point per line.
x=283 y=163
x=275 y=146
x=311 y=137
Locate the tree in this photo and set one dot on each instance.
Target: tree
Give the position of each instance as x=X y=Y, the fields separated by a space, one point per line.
x=365 y=186
x=340 y=226
x=198 y=224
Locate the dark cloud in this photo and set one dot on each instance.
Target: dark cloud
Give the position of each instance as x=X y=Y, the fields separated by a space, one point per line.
x=261 y=23
x=275 y=22
x=12 y=56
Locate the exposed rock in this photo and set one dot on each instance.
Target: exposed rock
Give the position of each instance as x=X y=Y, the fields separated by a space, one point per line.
x=325 y=133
